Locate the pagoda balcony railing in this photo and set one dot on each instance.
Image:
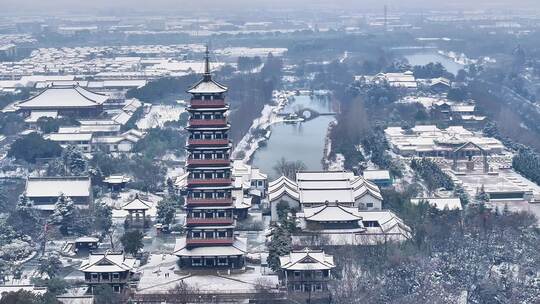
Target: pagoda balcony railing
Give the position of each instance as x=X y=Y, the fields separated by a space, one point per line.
x=208 y=181
x=215 y=103
x=207 y=122
x=224 y=162
x=191 y=202
x=210 y=241
x=191 y=221
x=208 y=142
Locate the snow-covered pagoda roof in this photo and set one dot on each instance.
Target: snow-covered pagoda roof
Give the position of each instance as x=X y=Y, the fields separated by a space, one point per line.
x=107 y=262
x=307 y=259
x=207 y=85
x=64 y=97
x=136 y=204
x=238 y=247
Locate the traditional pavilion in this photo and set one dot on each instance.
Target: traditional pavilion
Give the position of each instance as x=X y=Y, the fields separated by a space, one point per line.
x=306 y=271
x=137 y=209
x=210 y=240
x=111 y=268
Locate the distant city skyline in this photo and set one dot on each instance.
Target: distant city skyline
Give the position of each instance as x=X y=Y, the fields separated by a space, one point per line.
x=29 y=7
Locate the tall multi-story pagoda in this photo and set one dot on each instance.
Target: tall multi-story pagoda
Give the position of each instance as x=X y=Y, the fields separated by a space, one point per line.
x=210 y=240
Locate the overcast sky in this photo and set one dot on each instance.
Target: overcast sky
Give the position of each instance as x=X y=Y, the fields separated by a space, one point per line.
x=61 y=6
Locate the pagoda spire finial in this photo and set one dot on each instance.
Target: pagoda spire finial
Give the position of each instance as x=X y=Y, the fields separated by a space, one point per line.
x=207 y=75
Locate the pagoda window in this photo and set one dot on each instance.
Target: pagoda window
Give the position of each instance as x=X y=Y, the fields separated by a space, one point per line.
x=208 y=195
x=223 y=261
x=197 y=194
x=207 y=135
x=218 y=136
x=196 y=215
x=207 y=116
x=197 y=116
x=207 y=156
x=196 y=234
x=221 y=214
x=222 y=234
x=116 y=275
x=208 y=175
x=221 y=194
x=209 y=234
x=196 y=261
x=209 y=215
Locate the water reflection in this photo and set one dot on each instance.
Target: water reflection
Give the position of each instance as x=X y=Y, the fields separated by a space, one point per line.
x=302 y=141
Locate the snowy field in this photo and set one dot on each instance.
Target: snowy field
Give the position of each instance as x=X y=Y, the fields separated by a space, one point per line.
x=159 y=114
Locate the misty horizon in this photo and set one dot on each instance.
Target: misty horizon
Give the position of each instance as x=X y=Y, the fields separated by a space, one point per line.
x=167 y=7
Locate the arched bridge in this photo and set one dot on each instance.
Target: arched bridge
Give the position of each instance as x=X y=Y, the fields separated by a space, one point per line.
x=309 y=114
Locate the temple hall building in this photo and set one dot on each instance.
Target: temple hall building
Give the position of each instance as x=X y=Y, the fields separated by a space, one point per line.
x=316 y=188
x=72 y=101
x=44 y=191
x=210 y=239
x=306 y=271
x=111 y=268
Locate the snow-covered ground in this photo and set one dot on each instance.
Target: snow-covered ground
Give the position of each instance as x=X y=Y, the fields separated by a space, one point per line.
x=159 y=114
x=162 y=273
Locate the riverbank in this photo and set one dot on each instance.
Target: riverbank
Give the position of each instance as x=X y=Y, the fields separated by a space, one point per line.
x=259 y=131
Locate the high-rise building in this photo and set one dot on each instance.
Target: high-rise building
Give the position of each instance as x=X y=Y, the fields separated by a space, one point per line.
x=210 y=239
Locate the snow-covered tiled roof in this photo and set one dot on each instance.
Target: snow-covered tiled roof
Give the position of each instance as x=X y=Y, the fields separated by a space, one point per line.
x=239 y=247
x=307 y=259
x=136 y=204
x=440 y=202
x=331 y=213
x=54 y=186
x=64 y=97
x=35 y=115
x=107 y=262
x=207 y=87
x=323 y=186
